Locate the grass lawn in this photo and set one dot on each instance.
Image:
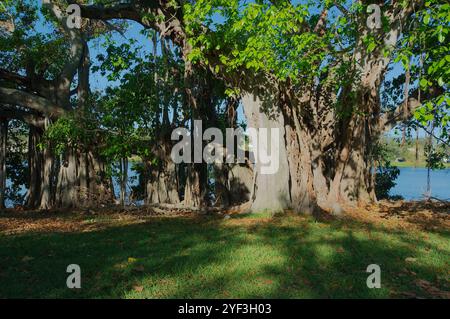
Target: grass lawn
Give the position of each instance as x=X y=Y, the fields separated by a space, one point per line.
x=250 y=256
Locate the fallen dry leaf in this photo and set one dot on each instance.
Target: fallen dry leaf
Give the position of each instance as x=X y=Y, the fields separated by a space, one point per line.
x=138 y=288
x=27 y=258
x=139 y=268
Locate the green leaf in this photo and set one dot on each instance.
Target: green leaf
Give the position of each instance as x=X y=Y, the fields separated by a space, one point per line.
x=424 y=83
x=371 y=47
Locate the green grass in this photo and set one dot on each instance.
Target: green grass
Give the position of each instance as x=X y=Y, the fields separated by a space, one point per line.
x=246 y=257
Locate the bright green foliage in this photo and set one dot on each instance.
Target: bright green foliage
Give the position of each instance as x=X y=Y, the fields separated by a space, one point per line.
x=130 y=113
x=69 y=131
x=124 y=121
x=425 y=49
x=434 y=37
x=25 y=46
x=256 y=36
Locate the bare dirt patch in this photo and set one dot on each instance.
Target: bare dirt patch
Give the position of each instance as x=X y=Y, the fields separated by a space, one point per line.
x=427 y=216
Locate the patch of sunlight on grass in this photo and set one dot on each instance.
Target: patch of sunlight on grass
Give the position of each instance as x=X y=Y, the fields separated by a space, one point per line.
x=258 y=215
x=324 y=252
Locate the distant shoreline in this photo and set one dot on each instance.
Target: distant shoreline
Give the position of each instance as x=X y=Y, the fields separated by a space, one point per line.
x=413 y=165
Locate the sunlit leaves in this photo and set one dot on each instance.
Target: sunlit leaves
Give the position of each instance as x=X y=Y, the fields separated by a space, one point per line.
x=258 y=36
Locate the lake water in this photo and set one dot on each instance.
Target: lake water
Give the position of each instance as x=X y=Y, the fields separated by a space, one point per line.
x=411 y=184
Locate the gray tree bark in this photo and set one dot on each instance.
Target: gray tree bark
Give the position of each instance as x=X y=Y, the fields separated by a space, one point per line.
x=68 y=186
x=34 y=168
x=240 y=183
x=3 y=173
x=270 y=191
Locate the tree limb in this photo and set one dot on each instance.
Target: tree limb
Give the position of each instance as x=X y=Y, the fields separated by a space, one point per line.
x=320 y=26
x=14 y=77
x=30 y=101
x=120 y=11
x=76 y=46
x=341 y=8
x=432 y=134
x=27 y=117
x=402 y=112
x=143 y=12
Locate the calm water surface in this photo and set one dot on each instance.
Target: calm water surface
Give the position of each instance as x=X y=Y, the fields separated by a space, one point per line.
x=411 y=184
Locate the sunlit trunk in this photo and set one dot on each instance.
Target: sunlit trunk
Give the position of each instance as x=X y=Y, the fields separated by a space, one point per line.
x=270 y=192
x=311 y=176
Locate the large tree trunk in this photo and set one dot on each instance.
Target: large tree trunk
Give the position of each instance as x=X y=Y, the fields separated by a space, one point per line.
x=240 y=183
x=194 y=190
x=47 y=170
x=352 y=182
x=356 y=133
x=233 y=183
x=271 y=190
x=83 y=181
x=34 y=168
x=3 y=144
x=221 y=185
x=46 y=187
x=40 y=169
x=100 y=185
x=309 y=177
x=328 y=149
x=68 y=186
x=162 y=186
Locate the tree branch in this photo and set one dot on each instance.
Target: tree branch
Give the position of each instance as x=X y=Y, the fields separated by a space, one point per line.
x=29 y=118
x=401 y=113
x=14 y=77
x=30 y=101
x=140 y=11
x=341 y=8
x=76 y=46
x=404 y=112
x=120 y=11
x=320 y=26
x=432 y=134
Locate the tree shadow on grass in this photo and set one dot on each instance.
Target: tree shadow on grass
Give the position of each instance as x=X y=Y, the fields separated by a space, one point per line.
x=333 y=263
x=213 y=258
